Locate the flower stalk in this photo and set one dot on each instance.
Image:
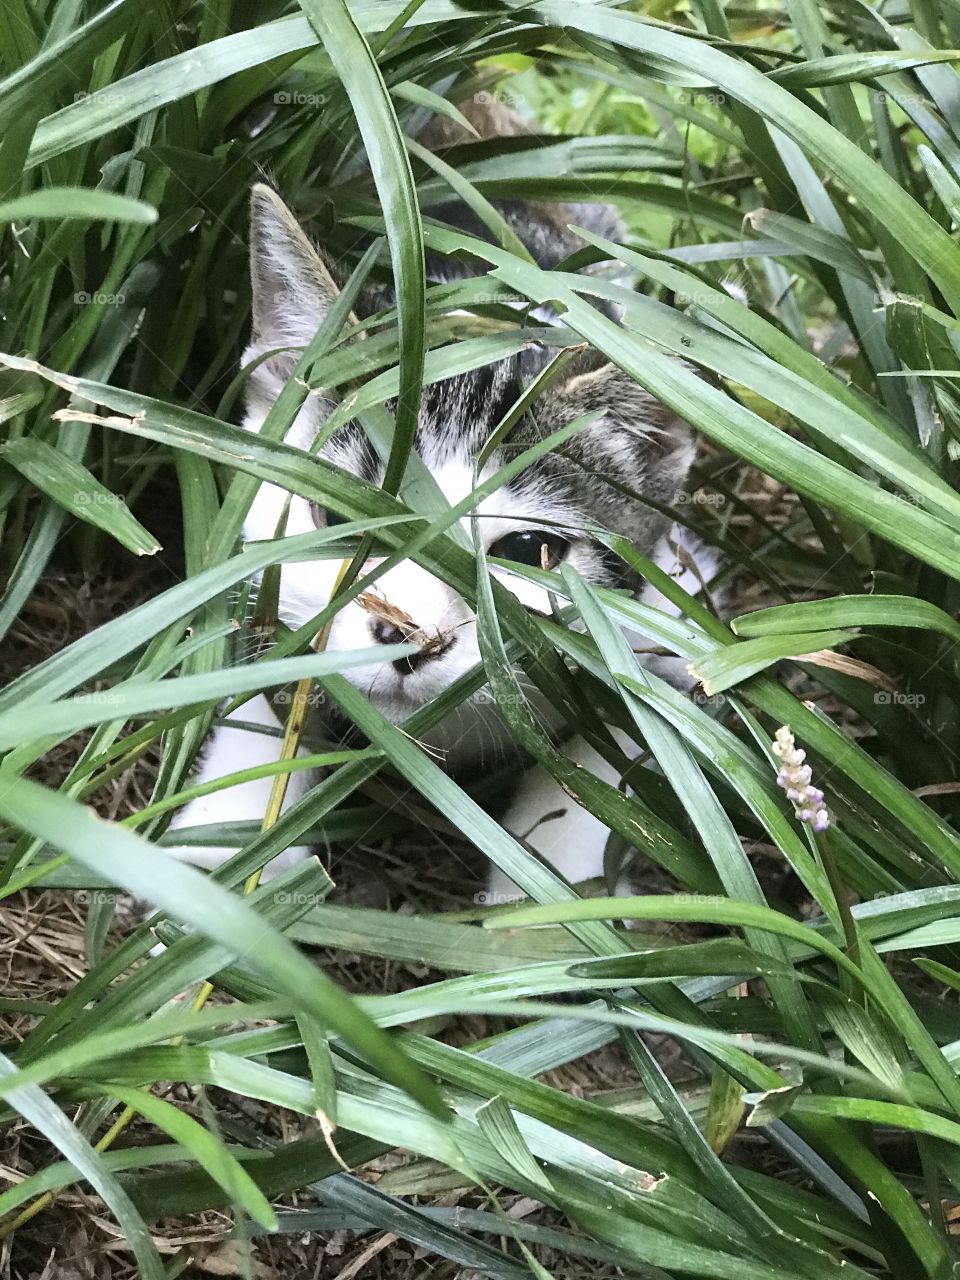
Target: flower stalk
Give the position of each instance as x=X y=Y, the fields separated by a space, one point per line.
x=795 y=777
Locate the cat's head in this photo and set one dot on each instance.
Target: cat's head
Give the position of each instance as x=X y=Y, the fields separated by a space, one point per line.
x=636 y=449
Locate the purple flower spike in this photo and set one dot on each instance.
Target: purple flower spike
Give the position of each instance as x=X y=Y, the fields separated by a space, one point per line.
x=795 y=779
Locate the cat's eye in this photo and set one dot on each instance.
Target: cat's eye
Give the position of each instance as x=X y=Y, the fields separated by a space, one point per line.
x=538 y=547
x=324 y=518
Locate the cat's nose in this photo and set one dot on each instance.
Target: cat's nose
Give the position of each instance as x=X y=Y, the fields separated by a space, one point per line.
x=430 y=647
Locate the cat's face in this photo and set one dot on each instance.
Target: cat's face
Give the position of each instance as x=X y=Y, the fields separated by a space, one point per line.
x=540 y=518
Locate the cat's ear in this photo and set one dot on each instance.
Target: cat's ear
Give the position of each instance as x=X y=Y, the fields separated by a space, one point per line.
x=293 y=289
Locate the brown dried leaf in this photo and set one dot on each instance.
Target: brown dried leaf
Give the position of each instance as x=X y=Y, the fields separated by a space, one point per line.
x=848 y=667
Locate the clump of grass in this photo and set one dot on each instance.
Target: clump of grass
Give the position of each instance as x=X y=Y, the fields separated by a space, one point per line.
x=808 y=159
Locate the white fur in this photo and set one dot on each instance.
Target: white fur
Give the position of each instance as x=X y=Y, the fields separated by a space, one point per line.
x=228 y=751
x=563 y=832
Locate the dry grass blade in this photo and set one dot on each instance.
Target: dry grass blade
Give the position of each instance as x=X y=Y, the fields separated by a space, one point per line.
x=393 y=616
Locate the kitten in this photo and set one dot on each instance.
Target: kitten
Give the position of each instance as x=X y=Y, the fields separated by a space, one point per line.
x=637 y=445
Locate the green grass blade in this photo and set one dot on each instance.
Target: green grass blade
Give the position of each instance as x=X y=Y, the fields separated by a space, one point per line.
x=207 y=1150
x=377 y=121
x=45 y=1116
x=125 y=860
x=77 y=202
x=72 y=487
